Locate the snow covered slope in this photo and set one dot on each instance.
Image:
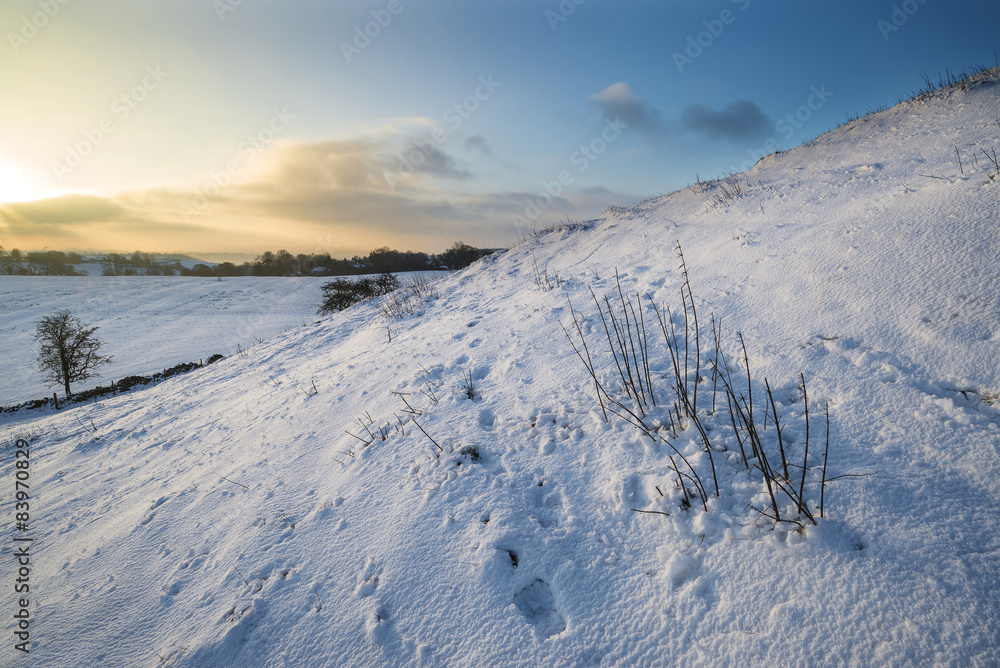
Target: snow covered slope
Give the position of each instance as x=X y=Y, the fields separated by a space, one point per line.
x=225 y=518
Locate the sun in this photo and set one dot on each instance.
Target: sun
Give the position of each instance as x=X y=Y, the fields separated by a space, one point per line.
x=18 y=184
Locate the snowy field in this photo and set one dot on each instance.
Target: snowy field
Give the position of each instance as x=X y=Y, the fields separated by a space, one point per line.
x=146 y=322
x=149 y=323
x=226 y=517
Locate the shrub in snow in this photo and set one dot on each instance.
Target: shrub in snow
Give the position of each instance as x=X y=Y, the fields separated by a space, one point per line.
x=664 y=414
x=342 y=293
x=407 y=299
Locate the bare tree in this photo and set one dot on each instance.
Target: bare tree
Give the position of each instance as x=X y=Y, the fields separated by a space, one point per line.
x=69 y=351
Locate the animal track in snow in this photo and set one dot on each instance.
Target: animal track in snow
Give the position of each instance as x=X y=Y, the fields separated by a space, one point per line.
x=368 y=579
x=547 y=506
x=377 y=624
x=170 y=591
x=538 y=606
x=681 y=568
x=487 y=418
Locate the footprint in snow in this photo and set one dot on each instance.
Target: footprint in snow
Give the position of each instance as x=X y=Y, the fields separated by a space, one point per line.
x=377 y=625
x=368 y=579
x=487 y=418
x=242 y=623
x=538 y=606
x=170 y=591
x=547 y=506
x=632 y=493
x=326 y=510
x=681 y=568
x=507 y=556
x=286 y=524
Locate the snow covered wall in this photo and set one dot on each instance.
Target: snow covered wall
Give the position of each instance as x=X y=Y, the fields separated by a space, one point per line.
x=226 y=517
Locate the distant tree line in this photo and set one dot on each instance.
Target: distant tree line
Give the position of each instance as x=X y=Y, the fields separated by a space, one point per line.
x=280 y=263
x=139 y=264
x=38 y=263
x=379 y=261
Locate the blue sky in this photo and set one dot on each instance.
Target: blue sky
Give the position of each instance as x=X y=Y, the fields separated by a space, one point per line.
x=215 y=126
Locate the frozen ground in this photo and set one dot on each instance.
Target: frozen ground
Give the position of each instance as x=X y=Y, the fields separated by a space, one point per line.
x=226 y=517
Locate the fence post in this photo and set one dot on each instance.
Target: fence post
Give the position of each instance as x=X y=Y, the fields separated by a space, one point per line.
x=56 y=400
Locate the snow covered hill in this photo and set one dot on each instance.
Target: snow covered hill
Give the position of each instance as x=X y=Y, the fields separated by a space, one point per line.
x=226 y=517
